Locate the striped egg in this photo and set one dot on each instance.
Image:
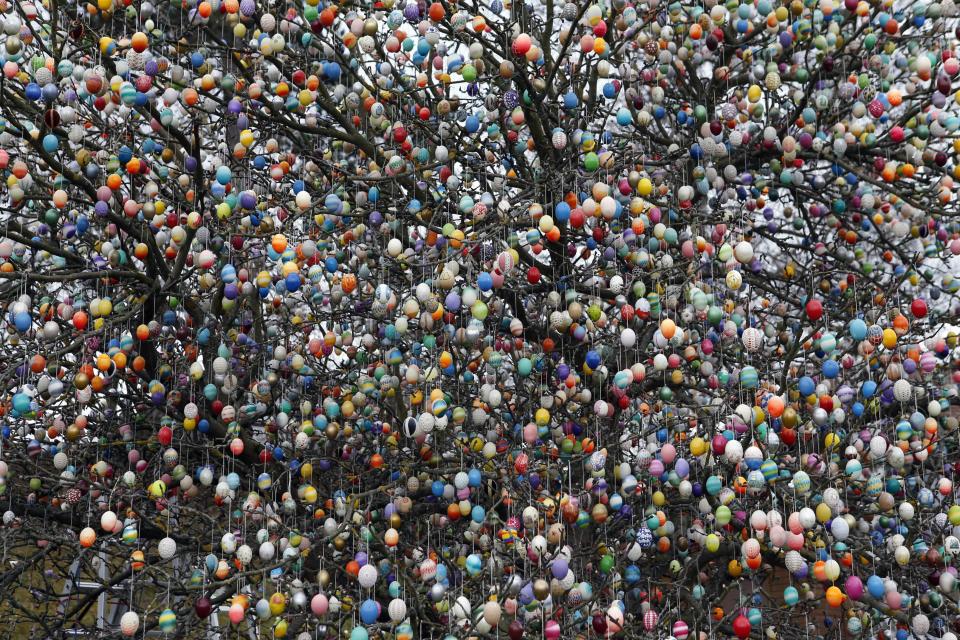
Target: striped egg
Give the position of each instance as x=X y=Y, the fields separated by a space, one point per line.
x=680 y=630
x=769 y=470
x=749 y=378
x=167 y=621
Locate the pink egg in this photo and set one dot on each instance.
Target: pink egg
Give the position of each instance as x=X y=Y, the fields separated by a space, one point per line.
x=319 y=604
x=668 y=453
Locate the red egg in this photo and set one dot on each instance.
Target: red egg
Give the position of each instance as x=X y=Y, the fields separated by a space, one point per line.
x=741 y=627
x=814 y=310
x=918 y=308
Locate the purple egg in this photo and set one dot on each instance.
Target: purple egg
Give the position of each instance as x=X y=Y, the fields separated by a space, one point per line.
x=559 y=568
x=452 y=302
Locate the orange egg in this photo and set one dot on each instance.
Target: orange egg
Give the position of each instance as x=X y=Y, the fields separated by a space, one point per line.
x=835 y=597
x=103 y=362
x=668 y=328
x=139 y=42
x=775 y=406
x=190 y=96
x=38 y=363
x=349 y=283
x=901 y=324
x=820 y=570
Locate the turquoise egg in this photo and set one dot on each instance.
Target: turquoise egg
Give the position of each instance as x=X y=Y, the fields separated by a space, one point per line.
x=791 y=596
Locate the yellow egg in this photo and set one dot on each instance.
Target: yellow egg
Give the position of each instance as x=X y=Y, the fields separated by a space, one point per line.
x=712 y=543
x=823 y=512
x=889 y=338
x=698 y=446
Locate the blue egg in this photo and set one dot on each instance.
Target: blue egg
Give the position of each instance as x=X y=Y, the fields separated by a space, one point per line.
x=333 y=203
x=22 y=321
x=224 y=174
x=485 y=281
x=858 y=329
x=830 y=369
x=21 y=403
x=50 y=143
x=474 y=564
x=593 y=359
x=292 y=282
x=369 y=611
x=875 y=586
x=868 y=388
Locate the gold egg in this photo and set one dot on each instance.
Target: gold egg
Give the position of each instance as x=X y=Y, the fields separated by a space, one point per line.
x=541 y=589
